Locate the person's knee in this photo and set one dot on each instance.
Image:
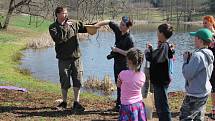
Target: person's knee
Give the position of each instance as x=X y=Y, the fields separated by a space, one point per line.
x=64 y=75
x=185 y=111
x=65 y=86
x=76 y=89
x=77 y=78
x=65 y=82
x=161 y=105
x=77 y=83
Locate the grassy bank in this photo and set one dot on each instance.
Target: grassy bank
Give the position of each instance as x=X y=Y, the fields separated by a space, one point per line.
x=12 y=42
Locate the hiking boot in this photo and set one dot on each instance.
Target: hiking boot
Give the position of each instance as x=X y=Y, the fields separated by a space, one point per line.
x=62 y=106
x=77 y=107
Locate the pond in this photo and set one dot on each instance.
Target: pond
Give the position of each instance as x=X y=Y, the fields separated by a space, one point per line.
x=43 y=64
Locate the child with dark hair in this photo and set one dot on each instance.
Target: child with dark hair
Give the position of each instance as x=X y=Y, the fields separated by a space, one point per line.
x=159 y=71
x=131 y=81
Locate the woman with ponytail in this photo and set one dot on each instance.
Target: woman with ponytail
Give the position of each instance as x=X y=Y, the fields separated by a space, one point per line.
x=209 y=22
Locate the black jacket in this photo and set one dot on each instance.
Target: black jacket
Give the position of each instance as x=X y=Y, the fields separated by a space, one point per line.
x=159 y=64
x=66 y=40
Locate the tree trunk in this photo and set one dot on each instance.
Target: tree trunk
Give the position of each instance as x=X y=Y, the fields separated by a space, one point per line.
x=177 y=11
x=8 y=16
x=7 y=20
x=0 y=26
x=12 y=7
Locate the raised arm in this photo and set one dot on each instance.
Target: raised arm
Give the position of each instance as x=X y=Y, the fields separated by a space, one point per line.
x=111 y=24
x=102 y=23
x=81 y=28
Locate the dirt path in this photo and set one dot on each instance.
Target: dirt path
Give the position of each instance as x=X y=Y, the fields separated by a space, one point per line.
x=40 y=106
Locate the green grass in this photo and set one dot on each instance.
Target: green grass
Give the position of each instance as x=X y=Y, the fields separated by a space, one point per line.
x=9 y=73
x=23 y=22
x=5 y=37
x=19 y=29
x=11 y=43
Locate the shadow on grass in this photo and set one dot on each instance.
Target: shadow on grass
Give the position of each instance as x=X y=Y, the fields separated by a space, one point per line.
x=50 y=112
x=57 y=113
x=14 y=108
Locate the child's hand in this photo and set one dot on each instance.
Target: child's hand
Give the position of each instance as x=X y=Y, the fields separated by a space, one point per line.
x=186 y=56
x=149 y=45
x=119 y=82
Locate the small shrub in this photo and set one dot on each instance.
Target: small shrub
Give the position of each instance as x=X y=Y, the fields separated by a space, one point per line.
x=42 y=42
x=106 y=85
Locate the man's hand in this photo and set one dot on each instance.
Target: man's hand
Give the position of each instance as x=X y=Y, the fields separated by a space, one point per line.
x=67 y=23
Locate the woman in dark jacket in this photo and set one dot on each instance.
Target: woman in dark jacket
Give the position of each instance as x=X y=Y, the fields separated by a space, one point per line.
x=123 y=42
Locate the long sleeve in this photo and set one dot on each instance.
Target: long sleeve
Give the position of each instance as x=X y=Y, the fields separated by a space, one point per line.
x=193 y=68
x=58 y=37
x=148 y=56
x=130 y=43
x=161 y=54
x=114 y=27
x=81 y=28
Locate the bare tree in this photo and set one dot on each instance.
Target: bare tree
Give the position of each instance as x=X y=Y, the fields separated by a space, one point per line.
x=90 y=10
x=182 y=10
x=39 y=8
x=12 y=7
